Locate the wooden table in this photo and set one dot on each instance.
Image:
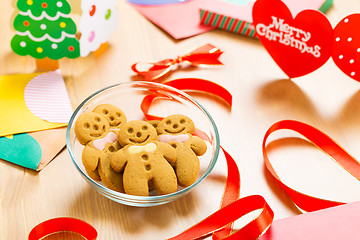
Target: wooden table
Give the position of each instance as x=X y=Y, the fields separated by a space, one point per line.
x=262 y=95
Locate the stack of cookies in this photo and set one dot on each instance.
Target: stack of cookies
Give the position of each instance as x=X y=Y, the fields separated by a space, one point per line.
x=135 y=156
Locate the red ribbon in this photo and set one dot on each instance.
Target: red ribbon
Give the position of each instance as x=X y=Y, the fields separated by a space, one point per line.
x=204 y=55
x=192 y=84
x=325 y=143
x=63 y=224
x=220 y=223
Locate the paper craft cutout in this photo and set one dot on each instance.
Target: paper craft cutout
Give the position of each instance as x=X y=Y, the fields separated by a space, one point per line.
x=16 y=116
x=51 y=141
x=155 y=2
x=33 y=150
x=346 y=49
x=98 y=21
x=47 y=98
x=22 y=149
x=331 y=224
x=299 y=46
x=46 y=64
x=180 y=20
x=44 y=29
x=235 y=15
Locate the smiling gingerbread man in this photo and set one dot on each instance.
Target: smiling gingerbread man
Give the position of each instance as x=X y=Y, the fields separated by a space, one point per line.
x=177 y=130
x=143 y=160
x=97 y=131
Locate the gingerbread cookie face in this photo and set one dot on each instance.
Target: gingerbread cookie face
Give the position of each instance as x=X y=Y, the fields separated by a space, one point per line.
x=176 y=124
x=136 y=132
x=91 y=126
x=113 y=114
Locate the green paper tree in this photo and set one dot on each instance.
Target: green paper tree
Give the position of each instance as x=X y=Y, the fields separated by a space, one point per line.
x=44 y=29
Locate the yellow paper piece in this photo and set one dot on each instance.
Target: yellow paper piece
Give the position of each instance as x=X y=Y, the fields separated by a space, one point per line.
x=9 y=136
x=15 y=116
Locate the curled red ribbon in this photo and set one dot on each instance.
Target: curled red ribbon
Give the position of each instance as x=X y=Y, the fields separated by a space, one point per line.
x=63 y=224
x=204 y=55
x=196 y=84
x=220 y=223
x=327 y=145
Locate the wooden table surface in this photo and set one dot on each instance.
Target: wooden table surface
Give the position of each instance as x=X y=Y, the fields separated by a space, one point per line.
x=262 y=95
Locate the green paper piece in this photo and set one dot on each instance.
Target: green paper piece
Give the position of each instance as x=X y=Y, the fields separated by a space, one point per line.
x=44 y=29
x=22 y=149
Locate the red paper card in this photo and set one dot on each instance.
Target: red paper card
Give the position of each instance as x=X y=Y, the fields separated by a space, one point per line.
x=298 y=44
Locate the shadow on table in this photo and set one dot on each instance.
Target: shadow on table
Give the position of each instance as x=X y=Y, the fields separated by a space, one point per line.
x=131 y=219
x=284 y=94
x=350 y=113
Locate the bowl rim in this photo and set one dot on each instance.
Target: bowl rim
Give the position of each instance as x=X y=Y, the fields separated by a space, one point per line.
x=135 y=197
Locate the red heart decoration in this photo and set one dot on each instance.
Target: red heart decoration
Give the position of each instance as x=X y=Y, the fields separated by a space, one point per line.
x=346 y=49
x=299 y=46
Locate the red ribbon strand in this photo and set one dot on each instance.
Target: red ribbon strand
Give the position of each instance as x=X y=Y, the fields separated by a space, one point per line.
x=192 y=84
x=220 y=223
x=325 y=143
x=63 y=224
x=204 y=55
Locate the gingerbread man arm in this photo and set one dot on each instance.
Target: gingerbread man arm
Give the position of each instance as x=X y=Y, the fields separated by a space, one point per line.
x=169 y=152
x=198 y=145
x=118 y=160
x=90 y=157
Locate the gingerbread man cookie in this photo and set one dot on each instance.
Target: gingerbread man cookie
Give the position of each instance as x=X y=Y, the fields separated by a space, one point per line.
x=113 y=114
x=143 y=160
x=177 y=130
x=90 y=126
x=96 y=131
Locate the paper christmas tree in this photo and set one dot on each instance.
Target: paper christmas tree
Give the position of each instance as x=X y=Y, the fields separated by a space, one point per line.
x=44 y=29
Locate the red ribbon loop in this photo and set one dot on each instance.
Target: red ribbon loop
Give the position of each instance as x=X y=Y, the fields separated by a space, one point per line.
x=231 y=213
x=204 y=55
x=195 y=84
x=63 y=224
x=325 y=143
x=220 y=223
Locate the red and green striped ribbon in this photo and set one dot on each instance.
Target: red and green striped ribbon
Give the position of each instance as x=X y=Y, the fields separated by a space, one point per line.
x=227 y=23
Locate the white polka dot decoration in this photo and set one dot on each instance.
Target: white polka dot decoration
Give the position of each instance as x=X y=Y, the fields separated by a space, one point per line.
x=346 y=49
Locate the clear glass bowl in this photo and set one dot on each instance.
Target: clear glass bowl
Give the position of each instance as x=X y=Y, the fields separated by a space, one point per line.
x=128 y=97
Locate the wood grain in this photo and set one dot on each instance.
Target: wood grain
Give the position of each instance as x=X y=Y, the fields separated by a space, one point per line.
x=262 y=95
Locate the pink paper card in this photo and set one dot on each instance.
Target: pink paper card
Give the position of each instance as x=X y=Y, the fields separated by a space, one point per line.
x=337 y=223
x=180 y=20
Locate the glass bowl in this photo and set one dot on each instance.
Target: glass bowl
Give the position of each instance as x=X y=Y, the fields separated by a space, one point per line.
x=129 y=97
